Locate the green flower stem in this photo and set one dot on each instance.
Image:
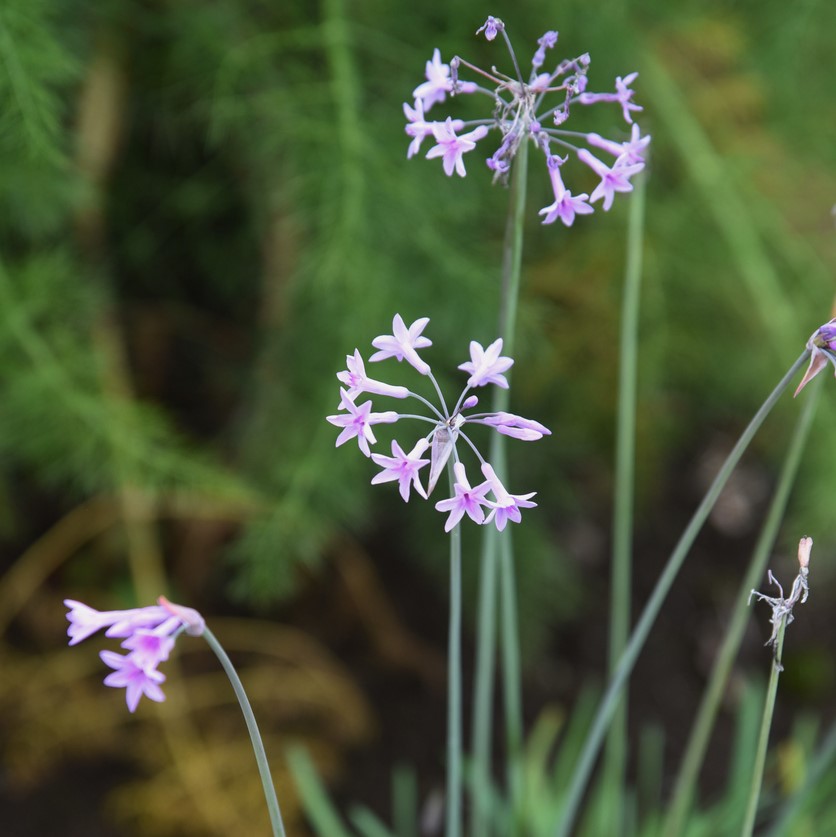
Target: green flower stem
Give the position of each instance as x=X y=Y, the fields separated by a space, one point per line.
x=686 y=780
x=763 y=739
x=491 y=566
x=454 y=686
x=619 y=678
x=255 y=736
x=625 y=447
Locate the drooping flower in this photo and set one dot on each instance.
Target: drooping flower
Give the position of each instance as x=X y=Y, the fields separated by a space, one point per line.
x=822 y=346
x=149 y=634
x=520 y=112
x=505 y=506
x=565 y=206
x=465 y=500
x=447 y=427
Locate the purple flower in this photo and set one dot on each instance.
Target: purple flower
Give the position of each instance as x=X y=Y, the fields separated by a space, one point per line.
x=418 y=128
x=565 y=206
x=486 y=366
x=491 y=27
x=822 y=346
x=625 y=96
x=521 y=112
x=465 y=500
x=613 y=179
x=357 y=421
x=518 y=427
x=448 y=429
x=403 y=343
x=354 y=377
x=548 y=41
x=403 y=467
x=149 y=634
x=136 y=680
x=629 y=152
x=505 y=506
x=452 y=148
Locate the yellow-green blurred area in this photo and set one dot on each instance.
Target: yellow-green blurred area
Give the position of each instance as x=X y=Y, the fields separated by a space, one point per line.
x=204 y=206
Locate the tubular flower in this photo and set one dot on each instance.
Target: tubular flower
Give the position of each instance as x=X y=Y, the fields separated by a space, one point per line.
x=486 y=502
x=520 y=112
x=148 y=635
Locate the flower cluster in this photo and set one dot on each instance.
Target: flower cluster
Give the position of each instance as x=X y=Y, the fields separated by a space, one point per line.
x=148 y=633
x=520 y=113
x=822 y=347
x=487 y=502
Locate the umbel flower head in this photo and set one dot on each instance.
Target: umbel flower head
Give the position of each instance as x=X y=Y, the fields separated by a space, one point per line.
x=822 y=346
x=147 y=633
x=522 y=110
x=486 y=502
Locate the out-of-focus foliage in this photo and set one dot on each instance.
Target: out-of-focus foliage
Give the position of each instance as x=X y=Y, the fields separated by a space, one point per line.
x=205 y=206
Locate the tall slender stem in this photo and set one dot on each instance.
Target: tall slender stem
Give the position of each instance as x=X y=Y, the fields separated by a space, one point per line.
x=686 y=780
x=454 y=688
x=763 y=738
x=255 y=736
x=490 y=565
x=622 y=547
x=654 y=604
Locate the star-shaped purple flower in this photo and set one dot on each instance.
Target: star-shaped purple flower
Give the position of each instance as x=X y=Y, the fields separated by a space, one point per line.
x=403 y=467
x=505 y=507
x=357 y=420
x=136 y=680
x=486 y=365
x=452 y=148
x=465 y=500
x=354 y=377
x=613 y=179
x=403 y=343
x=565 y=206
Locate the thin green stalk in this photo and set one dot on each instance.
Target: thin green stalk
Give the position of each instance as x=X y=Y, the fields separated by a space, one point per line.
x=622 y=547
x=654 y=604
x=454 y=688
x=255 y=736
x=763 y=740
x=490 y=566
x=686 y=780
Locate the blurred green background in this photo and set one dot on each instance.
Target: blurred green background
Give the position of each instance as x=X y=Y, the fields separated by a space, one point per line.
x=204 y=206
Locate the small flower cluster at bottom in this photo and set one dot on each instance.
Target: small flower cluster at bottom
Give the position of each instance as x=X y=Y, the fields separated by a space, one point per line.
x=148 y=634
x=486 y=366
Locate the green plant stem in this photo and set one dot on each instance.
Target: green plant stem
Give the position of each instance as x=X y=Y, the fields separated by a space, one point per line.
x=454 y=687
x=317 y=804
x=654 y=604
x=491 y=565
x=255 y=736
x=763 y=739
x=625 y=452
x=686 y=780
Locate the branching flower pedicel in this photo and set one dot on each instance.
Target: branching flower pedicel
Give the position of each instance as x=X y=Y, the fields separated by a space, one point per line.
x=148 y=634
x=520 y=113
x=487 y=502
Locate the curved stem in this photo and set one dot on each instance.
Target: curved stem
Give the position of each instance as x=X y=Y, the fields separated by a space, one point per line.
x=252 y=728
x=686 y=780
x=654 y=604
